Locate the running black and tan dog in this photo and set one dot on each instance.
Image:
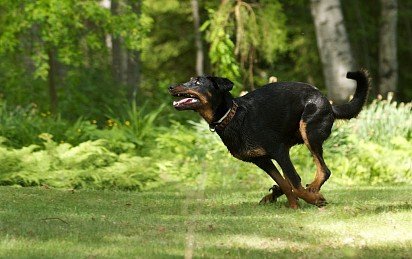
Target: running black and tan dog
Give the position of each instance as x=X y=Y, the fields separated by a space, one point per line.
x=266 y=123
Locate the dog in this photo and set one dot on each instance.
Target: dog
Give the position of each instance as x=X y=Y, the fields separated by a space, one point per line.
x=265 y=123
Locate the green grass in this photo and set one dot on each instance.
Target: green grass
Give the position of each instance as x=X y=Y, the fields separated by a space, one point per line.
x=369 y=222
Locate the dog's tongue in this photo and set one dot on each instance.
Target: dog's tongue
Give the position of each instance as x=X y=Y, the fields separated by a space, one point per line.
x=184 y=101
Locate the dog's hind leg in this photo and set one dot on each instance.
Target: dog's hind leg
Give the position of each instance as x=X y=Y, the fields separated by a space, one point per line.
x=266 y=165
x=315 y=129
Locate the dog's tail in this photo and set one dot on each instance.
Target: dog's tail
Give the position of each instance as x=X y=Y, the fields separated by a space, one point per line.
x=352 y=109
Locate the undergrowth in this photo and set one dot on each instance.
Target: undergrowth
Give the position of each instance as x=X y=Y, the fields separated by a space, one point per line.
x=136 y=153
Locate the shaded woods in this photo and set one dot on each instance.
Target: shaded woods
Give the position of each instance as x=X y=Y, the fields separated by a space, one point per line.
x=84 y=98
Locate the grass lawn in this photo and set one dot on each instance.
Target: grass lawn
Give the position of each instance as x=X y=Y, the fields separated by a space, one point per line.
x=369 y=222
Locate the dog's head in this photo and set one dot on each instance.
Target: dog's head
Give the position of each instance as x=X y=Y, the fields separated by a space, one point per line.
x=203 y=93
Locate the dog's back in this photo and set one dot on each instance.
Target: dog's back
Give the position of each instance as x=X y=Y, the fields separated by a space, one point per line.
x=278 y=107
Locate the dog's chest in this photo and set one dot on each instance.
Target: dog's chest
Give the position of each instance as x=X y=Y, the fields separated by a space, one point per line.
x=242 y=147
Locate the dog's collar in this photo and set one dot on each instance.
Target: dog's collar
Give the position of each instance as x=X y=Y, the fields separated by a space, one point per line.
x=224 y=121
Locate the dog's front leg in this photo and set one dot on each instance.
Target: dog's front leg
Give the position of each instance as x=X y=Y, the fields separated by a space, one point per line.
x=266 y=165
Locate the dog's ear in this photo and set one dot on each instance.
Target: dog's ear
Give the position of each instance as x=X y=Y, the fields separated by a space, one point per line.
x=221 y=83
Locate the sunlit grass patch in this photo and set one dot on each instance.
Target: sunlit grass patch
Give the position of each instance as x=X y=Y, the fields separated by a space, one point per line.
x=370 y=222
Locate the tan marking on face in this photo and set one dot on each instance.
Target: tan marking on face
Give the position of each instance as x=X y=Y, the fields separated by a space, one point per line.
x=203 y=99
x=209 y=94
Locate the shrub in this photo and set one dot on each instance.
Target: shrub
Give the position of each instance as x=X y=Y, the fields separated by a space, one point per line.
x=128 y=132
x=88 y=165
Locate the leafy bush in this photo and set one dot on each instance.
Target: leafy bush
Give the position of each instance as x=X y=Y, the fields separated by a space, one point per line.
x=380 y=121
x=195 y=156
x=88 y=165
x=21 y=127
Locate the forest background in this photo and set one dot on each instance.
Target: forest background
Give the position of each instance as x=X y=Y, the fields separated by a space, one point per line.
x=84 y=101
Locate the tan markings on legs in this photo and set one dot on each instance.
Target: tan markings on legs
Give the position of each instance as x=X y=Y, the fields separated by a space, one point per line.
x=314 y=186
x=302 y=130
x=320 y=174
x=286 y=188
x=310 y=197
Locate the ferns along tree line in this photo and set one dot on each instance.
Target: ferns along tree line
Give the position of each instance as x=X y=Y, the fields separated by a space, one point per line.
x=83 y=58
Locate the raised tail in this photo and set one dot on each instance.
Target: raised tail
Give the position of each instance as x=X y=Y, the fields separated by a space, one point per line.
x=352 y=109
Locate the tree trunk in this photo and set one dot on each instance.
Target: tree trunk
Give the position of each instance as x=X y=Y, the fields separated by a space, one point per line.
x=117 y=56
x=52 y=80
x=198 y=38
x=334 y=49
x=133 y=61
x=108 y=39
x=133 y=73
x=388 y=62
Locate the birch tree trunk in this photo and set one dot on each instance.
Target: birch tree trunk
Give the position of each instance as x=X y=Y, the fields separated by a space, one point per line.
x=388 y=62
x=198 y=39
x=107 y=4
x=334 y=49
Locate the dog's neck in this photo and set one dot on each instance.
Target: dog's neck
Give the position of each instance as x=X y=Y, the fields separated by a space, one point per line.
x=215 y=111
x=223 y=107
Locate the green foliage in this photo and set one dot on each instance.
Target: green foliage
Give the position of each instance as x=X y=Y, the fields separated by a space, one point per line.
x=167 y=51
x=193 y=154
x=133 y=130
x=271 y=30
x=22 y=126
x=268 y=38
x=133 y=152
x=75 y=33
x=88 y=165
x=301 y=48
x=240 y=32
x=384 y=120
x=222 y=48
x=247 y=41
x=67 y=25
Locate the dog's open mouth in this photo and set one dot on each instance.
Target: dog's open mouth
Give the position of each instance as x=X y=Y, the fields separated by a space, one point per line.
x=188 y=101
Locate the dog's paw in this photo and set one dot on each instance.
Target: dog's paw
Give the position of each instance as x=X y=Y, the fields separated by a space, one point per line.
x=316 y=198
x=320 y=201
x=270 y=198
x=276 y=190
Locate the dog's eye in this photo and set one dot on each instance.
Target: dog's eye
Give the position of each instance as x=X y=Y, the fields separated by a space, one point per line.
x=197 y=83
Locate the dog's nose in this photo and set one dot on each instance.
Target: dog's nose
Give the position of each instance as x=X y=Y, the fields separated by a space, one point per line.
x=171 y=87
